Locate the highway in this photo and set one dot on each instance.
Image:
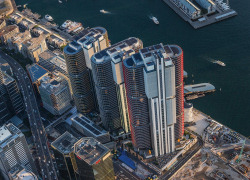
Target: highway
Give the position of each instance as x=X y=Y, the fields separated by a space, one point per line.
x=46 y=164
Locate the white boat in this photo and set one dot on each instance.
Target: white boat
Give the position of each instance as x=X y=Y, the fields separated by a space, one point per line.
x=48 y=17
x=219 y=63
x=103 y=11
x=155 y=20
x=59 y=1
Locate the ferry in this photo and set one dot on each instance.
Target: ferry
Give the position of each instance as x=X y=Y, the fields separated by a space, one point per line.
x=155 y=20
x=103 y=11
x=48 y=17
x=219 y=63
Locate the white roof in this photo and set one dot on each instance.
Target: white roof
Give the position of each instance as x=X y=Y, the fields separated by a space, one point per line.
x=4 y=133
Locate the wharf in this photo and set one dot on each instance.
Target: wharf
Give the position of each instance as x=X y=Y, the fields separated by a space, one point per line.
x=198 y=88
x=208 y=19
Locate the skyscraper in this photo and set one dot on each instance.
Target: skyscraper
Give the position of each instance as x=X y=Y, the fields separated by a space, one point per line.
x=4 y=112
x=14 y=150
x=62 y=147
x=92 y=160
x=159 y=79
x=150 y=78
x=77 y=55
x=137 y=101
x=176 y=54
x=109 y=83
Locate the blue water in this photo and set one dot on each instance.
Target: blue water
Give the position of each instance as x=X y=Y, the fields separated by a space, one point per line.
x=228 y=41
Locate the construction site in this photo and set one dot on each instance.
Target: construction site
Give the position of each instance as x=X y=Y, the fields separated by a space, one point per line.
x=225 y=154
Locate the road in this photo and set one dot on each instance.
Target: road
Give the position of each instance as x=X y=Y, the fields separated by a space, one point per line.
x=180 y=163
x=46 y=164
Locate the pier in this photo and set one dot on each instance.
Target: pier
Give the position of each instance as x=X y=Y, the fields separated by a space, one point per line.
x=204 y=20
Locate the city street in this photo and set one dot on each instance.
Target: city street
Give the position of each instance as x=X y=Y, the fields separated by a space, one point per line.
x=46 y=164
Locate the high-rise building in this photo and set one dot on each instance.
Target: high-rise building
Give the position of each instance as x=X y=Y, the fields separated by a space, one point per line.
x=55 y=94
x=154 y=98
x=18 y=172
x=92 y=160
x=14 y=150
x=159 y=79
x=109 y=83
x=176 y=54
x=137 y=101
x=4 y=112
x=62 y=147
x=13 y=96
x=77 y=55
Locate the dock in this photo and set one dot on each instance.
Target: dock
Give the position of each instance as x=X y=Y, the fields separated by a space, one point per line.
x=204 y=20
x=198 y=89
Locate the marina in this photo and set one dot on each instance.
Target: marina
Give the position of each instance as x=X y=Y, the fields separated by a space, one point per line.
x=221 y=13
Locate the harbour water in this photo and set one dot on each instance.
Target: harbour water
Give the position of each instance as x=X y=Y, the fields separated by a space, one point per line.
x=228 y=41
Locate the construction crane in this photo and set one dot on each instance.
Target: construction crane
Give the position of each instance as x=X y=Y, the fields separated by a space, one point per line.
x=241 y=151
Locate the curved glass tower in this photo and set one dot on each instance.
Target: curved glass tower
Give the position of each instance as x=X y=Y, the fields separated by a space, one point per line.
x=77 y=55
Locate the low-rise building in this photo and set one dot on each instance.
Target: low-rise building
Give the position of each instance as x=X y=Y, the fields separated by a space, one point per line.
x=56 y=41
x=189 y=8
x=37 y=31
x=88 y=128
x=15 y=42
x=7 y=32
x=26 y=24
x=2 y=23
x=15 y=18
x=208 y=5
x=55 y=94
x=33 y=47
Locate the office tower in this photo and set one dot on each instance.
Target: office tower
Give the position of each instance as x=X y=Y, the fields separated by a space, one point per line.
x=150 y=78
x=109 y=83
x=77 y=55
x=55 y=94
x=137 y=101
x=13 y=96
x=62 y=147
x=92 y=160
x=4 y=112
x=159 y=79
x=176 y=54
x=14 y=150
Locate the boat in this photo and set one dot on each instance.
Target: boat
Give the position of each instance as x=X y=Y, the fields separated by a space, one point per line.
x=48 y=17
x=219 y=63
x=155 y=20
x=59 y=1
x=25 y=5
x=103 y=11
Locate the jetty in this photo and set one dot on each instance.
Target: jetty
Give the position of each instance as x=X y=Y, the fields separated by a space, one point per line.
x=203 y=20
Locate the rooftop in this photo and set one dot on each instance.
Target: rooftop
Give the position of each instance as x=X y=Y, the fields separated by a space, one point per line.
x=90 y=150
x=65 y=143
x=5 y=30
x=202 y=87
x=33 y=43
x=88 y=125
x=119 y=50
x=8 y=133
x=20 y=37
x=85 y=39
x=53 y=83
x=36 y=72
